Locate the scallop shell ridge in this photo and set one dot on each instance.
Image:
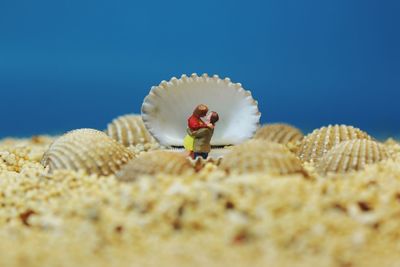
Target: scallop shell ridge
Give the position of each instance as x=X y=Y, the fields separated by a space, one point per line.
x=352 y=155
x=86 y=149
x=256 y=156
x=279 y=132
x=129 y=130
x=167 y=107
x=316 y=144
x=155 y=162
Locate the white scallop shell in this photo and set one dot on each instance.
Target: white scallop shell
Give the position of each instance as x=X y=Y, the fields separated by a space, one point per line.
x=168 y=106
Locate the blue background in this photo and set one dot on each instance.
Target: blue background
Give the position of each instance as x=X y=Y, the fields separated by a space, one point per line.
x=72 y=64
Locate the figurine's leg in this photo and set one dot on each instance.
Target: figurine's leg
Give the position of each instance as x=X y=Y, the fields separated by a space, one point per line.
x=201 y=154
x=197 y=154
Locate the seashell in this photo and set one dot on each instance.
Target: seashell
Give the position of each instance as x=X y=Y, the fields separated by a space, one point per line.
x=316 y=144
x=352 y=155
x=129 y=130
x=154 y=162
x=279 y=132
x=86 y=149
x=261 y=156
x=168 y=106
x=199 y=162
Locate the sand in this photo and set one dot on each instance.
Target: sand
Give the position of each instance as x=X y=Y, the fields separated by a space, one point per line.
x=207 y=219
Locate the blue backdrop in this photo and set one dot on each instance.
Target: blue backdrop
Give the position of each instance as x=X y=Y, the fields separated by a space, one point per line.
x=72 y=64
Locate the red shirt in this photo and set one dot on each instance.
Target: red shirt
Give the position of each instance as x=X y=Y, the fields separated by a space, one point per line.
x=195 y=123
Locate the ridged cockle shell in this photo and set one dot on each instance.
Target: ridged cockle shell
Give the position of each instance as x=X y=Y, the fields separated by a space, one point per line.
x=316 y=144
x=352 y=155
x=261 y=156
x=86 y=149
x=279 y=132
x=155 y=162
x=129 y=130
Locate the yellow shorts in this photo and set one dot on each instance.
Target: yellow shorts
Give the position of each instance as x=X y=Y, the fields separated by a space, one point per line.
x=188 y=142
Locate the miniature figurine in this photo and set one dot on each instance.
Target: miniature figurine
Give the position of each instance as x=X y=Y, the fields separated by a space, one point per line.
x=202 y=137
x=195 y=123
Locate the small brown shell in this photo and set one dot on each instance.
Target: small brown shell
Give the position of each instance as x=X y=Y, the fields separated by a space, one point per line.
x=261 y=156
x=86 y=149
x=154 y=162
x=279 y=132
x=352 y=155
x=129 y=130
x=316 y=144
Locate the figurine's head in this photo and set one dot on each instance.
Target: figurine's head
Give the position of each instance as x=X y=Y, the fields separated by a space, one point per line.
x=200 y=111
x=214 y=117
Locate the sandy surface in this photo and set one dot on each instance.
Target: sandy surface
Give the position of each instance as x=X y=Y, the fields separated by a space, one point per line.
x=208 y=219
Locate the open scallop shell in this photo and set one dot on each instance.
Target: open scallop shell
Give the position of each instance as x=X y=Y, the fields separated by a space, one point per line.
x=279 y=133
x=259 y=156
x=155 y=162
x=352 y=155
x=129 y=130
x=168 y=106
x=316 y=144
x=86 y=149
